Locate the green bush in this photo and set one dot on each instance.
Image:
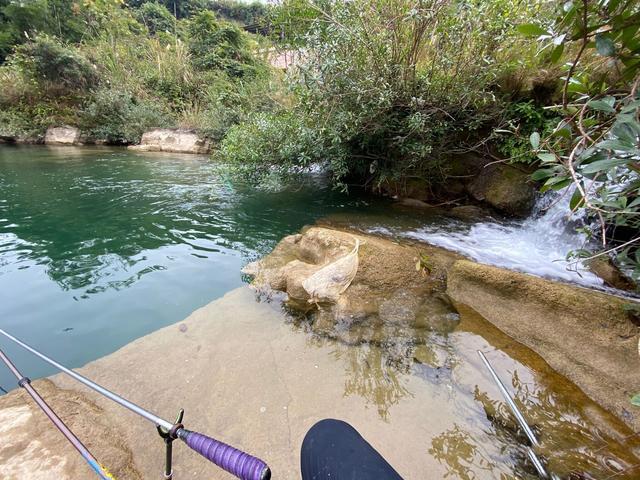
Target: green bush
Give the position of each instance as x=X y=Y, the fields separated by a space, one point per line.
x=20 y=21
x=249 y=14
x=224 y=103
x=180 y=8
x=156 y=18
x=118 y=118
x=272 y=144
x=217 y=45
x=396 y=97
x=522 y=120
x=55 y=66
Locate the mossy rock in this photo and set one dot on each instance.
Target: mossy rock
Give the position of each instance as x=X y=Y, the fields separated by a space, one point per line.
x=505 y=188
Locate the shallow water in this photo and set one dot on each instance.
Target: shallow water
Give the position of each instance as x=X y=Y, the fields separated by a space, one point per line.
x=101 y=246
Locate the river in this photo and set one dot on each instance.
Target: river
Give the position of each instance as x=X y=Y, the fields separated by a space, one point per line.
x=101 y=246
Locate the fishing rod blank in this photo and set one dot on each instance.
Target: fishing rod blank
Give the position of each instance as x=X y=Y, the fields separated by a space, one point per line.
x=234 y=461
x=25 y=383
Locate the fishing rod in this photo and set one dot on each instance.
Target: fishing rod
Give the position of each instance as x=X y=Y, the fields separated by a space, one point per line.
x=535 y=460
x=25 y=383
x=234 y=461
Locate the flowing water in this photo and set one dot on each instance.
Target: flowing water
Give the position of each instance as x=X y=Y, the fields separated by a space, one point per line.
x=101 y=246
x=538 y=245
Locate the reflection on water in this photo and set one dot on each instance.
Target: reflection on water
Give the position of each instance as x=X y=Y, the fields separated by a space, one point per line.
x=92 y=239
x=381 y=358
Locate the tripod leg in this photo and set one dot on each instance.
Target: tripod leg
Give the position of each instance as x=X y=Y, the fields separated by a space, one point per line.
x=168 y=467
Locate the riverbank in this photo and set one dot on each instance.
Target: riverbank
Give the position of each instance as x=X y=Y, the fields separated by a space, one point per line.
x=258 y=378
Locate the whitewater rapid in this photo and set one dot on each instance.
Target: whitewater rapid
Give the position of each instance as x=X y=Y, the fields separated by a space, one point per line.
x=538 y=245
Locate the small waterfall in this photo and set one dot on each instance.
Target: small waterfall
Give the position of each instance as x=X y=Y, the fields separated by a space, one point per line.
x=537 y=245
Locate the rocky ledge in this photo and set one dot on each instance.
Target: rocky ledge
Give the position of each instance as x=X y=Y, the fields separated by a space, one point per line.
x=174 y=141
x=587 y=336
x=64 y=135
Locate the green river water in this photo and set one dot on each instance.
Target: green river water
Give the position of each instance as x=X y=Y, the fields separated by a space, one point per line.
x=100 y=246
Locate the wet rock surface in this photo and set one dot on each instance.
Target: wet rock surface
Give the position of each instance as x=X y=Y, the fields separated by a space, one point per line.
x=392 y=280
x=505 y=188
x=585 y=335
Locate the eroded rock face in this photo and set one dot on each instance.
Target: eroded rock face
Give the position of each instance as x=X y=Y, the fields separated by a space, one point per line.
x=585 y=335
x=505 y=188
x=173 y=140
x=387 y=285
x=64 y=135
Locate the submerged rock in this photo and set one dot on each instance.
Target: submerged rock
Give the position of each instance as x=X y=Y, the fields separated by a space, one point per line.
x=585 y=335
x=173 y=140
x=604 y=268
x=64 y=135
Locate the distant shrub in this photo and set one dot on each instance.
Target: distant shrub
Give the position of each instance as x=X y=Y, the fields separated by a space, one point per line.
x=156 y=18
x=218 y=45
x=248 y=14
x=119 y=118
x=58 y=67
x=269 y=144
x=224 y=103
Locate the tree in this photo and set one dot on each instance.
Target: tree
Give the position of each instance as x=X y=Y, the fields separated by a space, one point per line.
x=596 y=147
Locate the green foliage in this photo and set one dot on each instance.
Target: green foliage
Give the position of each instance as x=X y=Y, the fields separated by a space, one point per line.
x=129 y=70
x=231 y=102
x=594 y=147
x=394 y=86
x=179 y=8
x=20 y=21
x=52 y=64
x=119 y=118
x=524 y=121
x=272 y=145
x=248 y=14
x=635 y=400
x=217 y=45
x=156 y=18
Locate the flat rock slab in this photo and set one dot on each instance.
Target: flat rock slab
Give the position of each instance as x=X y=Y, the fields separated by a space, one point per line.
x=62 y=136
x=585 y=335
x=241 y=375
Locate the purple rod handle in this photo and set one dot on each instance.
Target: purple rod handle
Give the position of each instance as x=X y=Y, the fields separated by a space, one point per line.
x=234 y=461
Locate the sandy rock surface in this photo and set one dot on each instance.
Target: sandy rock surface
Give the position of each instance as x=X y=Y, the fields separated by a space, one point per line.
x=173 y=140
x=62 y=136
x=241 y=376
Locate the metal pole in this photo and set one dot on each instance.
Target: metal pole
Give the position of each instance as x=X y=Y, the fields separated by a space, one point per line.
x=520 y=419
x=507 y=397
x=25 y=383
x=94 y=386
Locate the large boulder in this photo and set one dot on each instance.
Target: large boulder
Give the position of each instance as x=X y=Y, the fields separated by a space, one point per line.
x=587 y=336
x=64 y=135
x=173 y=140
x=392 y=283
x=506 y=188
